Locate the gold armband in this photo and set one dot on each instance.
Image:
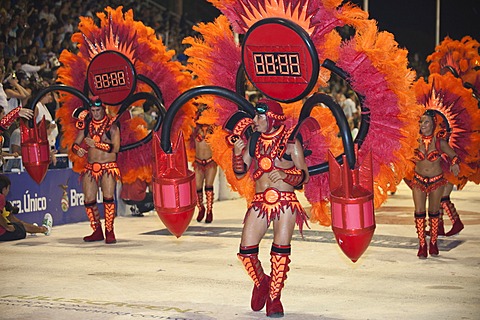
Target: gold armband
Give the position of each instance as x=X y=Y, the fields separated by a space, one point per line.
x=295 y=177
x=239 y=167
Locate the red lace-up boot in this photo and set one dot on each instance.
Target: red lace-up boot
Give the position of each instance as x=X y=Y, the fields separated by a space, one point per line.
x=279 y=258
x=94 y=218
x=434 y=221
x=109 y=207
x=450 y=209
x=441 y=227
x=420 y=225
x=200 y=206
x=209 y=195
x=249 y=257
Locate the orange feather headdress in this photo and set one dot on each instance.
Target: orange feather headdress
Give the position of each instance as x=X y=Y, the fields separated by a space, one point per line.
x=377 y=70
x=119 y=32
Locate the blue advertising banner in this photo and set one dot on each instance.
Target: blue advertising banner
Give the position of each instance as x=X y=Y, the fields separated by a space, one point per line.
x=59 y=194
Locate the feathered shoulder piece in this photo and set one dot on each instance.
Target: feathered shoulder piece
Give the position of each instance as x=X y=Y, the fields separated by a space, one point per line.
x=118 y=31
x=446 y=95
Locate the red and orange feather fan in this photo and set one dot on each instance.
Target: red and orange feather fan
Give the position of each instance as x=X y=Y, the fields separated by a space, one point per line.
x=118 y=31
x=377 y=68
x=460 y=59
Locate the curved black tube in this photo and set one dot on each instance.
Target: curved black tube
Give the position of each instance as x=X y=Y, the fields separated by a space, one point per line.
x=240 y=81
x=128 y=102
x=154 y=86
x=365 y=122
x=59 y=87
x=125 y=105
x=180 y=101
x=342 y=124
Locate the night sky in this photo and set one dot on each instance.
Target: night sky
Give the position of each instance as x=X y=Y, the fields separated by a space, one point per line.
x=411 y=21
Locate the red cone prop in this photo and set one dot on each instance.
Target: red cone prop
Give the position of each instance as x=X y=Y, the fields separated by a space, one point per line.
x=174 y=192
x=353 y=218
x=35 y=150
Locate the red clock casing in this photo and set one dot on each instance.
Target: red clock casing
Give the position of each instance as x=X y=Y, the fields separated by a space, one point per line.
x=280 y=59
x=112 y=77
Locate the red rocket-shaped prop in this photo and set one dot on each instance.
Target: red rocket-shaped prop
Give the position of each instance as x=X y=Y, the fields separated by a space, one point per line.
x=353 y=218
x=35 y=149
x=174 y=193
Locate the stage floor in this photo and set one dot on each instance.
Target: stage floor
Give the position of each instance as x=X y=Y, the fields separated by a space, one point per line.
x=150 y=274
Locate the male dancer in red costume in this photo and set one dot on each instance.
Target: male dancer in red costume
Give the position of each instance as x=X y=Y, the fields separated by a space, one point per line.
x=279 y=167
x=102 y=139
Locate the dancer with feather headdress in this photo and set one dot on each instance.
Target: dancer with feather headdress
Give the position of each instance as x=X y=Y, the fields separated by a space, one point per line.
x=160 y=79
x=451 y=93
x=377 y=70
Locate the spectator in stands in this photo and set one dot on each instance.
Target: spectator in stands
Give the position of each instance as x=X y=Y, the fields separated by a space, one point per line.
x=25 y=82
x=14 y=150
x=30 y=70
x=150 y=114
x=3 y=95
x=16 y=94
x=42 y=111
x=10 y=50
x=9 y=66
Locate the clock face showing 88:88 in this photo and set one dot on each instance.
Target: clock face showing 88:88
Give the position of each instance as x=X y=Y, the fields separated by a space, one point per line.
x=111 y=76
x=280 y=59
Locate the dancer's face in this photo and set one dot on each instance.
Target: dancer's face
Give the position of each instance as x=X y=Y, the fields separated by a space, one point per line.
x=97 y=112
x=426 y=125
x=260 y=123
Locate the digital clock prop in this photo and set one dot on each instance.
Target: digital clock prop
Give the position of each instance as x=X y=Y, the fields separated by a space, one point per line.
x=280 y=59
x=112 y=77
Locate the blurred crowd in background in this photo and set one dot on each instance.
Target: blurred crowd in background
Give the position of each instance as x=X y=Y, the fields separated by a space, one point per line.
x=33 y=34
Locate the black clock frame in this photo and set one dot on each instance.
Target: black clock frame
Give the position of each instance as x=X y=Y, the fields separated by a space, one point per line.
x=310 y=46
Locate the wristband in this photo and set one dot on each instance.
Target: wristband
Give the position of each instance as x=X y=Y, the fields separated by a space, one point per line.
x=107 y=147
x=295 y=177
x=76 y=147
x=239 y=167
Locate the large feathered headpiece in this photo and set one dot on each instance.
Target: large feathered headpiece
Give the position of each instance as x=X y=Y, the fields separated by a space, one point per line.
x=376 y=66
x=461 y=59
x=118 y=31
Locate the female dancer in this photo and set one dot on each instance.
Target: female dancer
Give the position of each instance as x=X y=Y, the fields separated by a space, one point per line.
x=428 y=181
x=279 y=167
x=205 y=172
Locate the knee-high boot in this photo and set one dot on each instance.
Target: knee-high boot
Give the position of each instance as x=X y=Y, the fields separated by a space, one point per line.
x=109 y=207
x=94 y=218
x=420 y=225
x=209 y=194
x=279 y=258
x=200 y=206
x=441 y=226
x=450 y=209
x=249 y=257
x=433 y=218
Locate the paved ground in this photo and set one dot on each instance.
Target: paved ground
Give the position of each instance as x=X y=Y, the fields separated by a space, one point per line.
x=149 y=274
